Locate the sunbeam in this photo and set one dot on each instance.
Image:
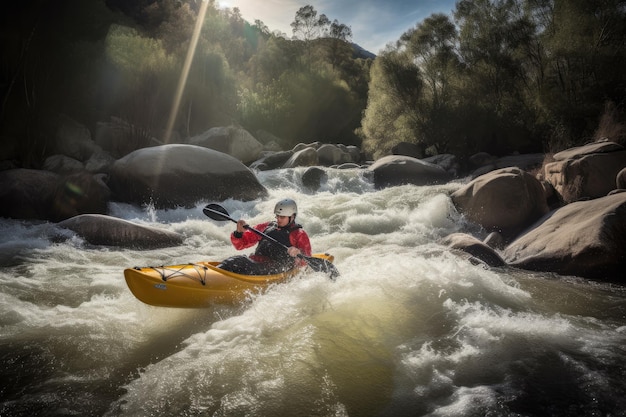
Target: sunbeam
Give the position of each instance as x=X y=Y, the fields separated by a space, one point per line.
x=185 y=72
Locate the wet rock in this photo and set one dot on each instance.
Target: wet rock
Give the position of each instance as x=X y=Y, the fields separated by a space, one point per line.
x=234 y=141
x=506 y=200
x=586 y=238
x=474 y=247
x=43 y=195
x=271 y=160
x=177 y=175
x=27 y=193
x=305 y=157
x=395 y=170
x=332 y=155
x=110 y=231
x=313 y=177
x=586 y=172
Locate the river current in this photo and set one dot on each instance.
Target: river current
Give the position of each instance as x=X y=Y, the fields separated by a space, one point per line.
x=408 y=329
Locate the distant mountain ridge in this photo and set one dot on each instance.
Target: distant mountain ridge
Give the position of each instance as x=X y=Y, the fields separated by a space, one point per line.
x=359 y=52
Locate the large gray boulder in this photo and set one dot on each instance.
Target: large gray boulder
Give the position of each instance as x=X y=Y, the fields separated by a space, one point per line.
x=506 y=200
x=27 y=193
x=272 y=160
x=99 y=229
x=473 y=247
x=587 y=171
x=305 y=157
x=313 y=178
x=180 y=175
x=329 y=154
x=234 y=141
x=43 y=195
x=395 y=170
x=446 y=161
x=586 y=238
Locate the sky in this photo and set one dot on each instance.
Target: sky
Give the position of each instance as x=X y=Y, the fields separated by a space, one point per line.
x=374 y=23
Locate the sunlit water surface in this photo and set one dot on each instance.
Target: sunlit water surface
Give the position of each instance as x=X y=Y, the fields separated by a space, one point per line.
x=409 y=329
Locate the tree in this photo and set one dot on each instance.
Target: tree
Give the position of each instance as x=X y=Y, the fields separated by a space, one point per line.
x=339 y=48
x=584 y=43
x=432 y=47
x=494 y=37
x=392 y=111
x=308 y=26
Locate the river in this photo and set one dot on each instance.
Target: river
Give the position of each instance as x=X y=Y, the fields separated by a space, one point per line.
x=408 y=329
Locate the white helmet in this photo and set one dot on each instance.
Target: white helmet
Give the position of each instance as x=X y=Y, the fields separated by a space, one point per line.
x=286 y=207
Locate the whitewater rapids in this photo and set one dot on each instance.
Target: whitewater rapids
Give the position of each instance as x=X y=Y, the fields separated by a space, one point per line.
x=409 y=329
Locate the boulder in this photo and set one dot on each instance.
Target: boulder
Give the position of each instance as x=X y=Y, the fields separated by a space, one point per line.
x=305 y=157
x=27 y=193
x=180 y=175
x=313 y=177
x=354 y=152
x=395 y=170
x=79 y=193
x=586 y=172
x=99 y=229
x=43 y=195
x=586 y=238
x=473 y=247
x=332 y=155
x=446 y=161
x=589 y=149
x=271 y=160
x=506 y=200
x=234 y=141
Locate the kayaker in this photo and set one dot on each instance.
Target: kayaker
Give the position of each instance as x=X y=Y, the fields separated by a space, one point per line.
x=270 y=258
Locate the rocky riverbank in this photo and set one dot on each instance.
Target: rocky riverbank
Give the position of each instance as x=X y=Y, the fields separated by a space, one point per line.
x=567 y=215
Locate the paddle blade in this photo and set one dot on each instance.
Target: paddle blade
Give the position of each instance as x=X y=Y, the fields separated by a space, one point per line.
x=322 y=265
x=217 y=212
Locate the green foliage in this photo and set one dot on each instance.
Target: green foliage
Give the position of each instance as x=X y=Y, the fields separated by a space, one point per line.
x=134 y=54
x=395 y=85
x=507 y=76
x=301 y=107
x=503 y=76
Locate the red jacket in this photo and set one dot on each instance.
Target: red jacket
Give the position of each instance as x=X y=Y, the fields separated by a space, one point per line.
x=298 y=238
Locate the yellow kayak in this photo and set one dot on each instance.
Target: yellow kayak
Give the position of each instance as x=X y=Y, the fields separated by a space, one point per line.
x=198 y=285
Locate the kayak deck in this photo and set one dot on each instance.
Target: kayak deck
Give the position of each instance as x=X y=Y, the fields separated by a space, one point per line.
x=198 y=285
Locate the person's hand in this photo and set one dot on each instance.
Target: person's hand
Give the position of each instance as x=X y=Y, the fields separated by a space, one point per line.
x=293 y=251
x=241 y=226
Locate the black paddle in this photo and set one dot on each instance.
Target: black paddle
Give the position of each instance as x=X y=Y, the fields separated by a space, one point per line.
x=219 y=213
